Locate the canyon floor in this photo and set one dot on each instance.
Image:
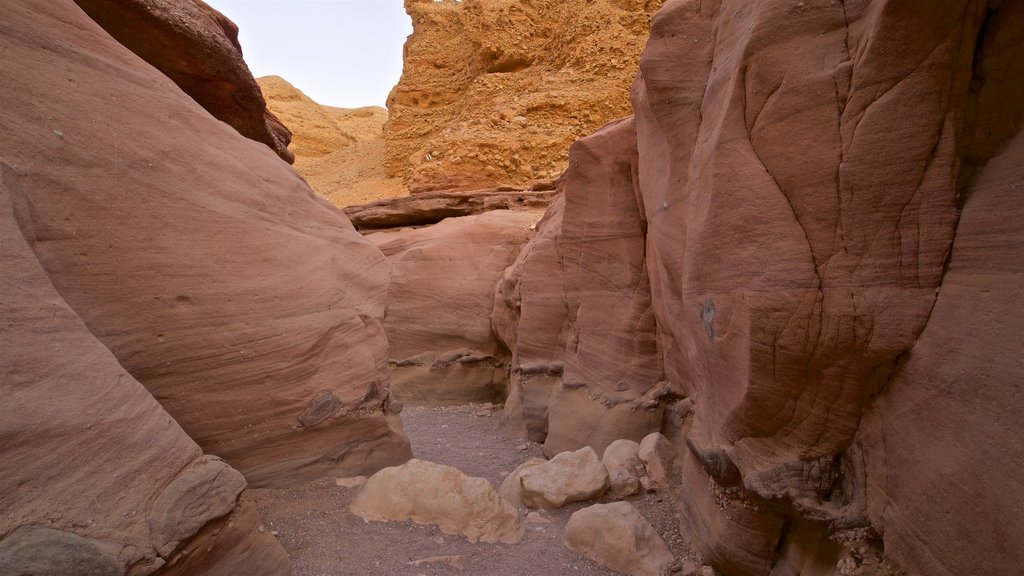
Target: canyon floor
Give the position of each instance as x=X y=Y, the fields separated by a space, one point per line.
x=323 y=538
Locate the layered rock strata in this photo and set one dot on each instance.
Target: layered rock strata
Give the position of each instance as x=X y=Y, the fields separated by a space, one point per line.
x=431 y=207
x=197 y=47
x=494 y=92
x=791 y=218
x=96 y=478
x=250 y=308
x=441 y=345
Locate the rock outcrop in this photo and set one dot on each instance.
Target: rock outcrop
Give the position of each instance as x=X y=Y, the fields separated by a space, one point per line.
x=431 y=207
x=618 y=537
x=96 y=478
x=494 y=92
x=438 y=320
x=251 y=309
x=197 y=47
x=339 y=151
x=429 y=493
x=788 y=226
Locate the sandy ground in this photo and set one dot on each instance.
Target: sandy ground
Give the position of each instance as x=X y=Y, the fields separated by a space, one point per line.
x=323 y=538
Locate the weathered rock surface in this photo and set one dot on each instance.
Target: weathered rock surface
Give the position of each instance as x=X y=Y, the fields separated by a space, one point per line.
x=511 y=488
x=96 y=478
x=429 y=493
x=197 y=47
x=577 y=304
x=568 y=477
x=943 y=476
x=206 y=265
x=494 y=92
x=438 y=320
x=793 y=216
x=622 y=461
x=432 y=207
x=616 y=536
x=339 y=151
x=658 y=456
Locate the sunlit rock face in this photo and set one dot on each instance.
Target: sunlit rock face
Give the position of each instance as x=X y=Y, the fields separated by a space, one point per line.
x=493 y=92
x=250 y=308
x=799 y=174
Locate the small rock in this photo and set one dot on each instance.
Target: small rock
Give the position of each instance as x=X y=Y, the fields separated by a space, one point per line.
x=439 y=540
x=616 y=536
x=658 y=456
x=624 y=468
x=351 y=482
x=536 y=518
x=568 y=477
x=511 y=487
x=523 y=447
x=707 y=571
x=483 y=413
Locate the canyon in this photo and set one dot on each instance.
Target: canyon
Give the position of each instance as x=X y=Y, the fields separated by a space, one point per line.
x=786 y=235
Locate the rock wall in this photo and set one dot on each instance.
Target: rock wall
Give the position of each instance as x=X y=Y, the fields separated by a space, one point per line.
x=197 y=47
x=250 y=308
x=438 y=322
x=339 y=151
x=96 y=478
x=799 y=170
x=493 y=92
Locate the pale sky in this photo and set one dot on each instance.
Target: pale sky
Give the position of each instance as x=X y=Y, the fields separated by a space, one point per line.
x=345 y=53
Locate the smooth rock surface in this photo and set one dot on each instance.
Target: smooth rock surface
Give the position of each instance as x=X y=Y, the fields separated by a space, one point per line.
x=96 y=478
x=438 y=320
x=568 y=477
x=616 y=536
x=622 y=461
x=429 y=493
x=204 y=263
x=511 y=488
x=197 y=47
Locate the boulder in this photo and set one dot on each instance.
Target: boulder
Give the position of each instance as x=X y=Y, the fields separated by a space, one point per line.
x=429 y=493
x=96 y=478
x=616 y=536
x=568 y=477
x=511 y=488
x=658 y=456
x=438 y=320
x=196 y=47
x=624 y=467
x=493 y=93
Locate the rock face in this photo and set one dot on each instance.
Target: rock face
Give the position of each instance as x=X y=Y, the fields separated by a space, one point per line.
x=197 y=47
x=494 y=92
x=430 y=493
x=788 y=227
x=568 y=477
x=575 y=308
x=438 y=320
x=616 y=536
x=96 y=478
x=218 y=280
x=339 y=151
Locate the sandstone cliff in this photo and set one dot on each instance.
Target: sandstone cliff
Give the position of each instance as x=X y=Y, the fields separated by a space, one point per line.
x=494 y=92
x=197 y=47
x=339 y=151
x=782 y=236
x=249 y=307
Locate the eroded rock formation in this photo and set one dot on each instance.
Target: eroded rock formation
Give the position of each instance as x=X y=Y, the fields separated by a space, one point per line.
x=339 y=151
x=197 y=47
x=250 y=308
x=783 y=243
x=494 y=92
x=96 y=478
x=438 y=320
